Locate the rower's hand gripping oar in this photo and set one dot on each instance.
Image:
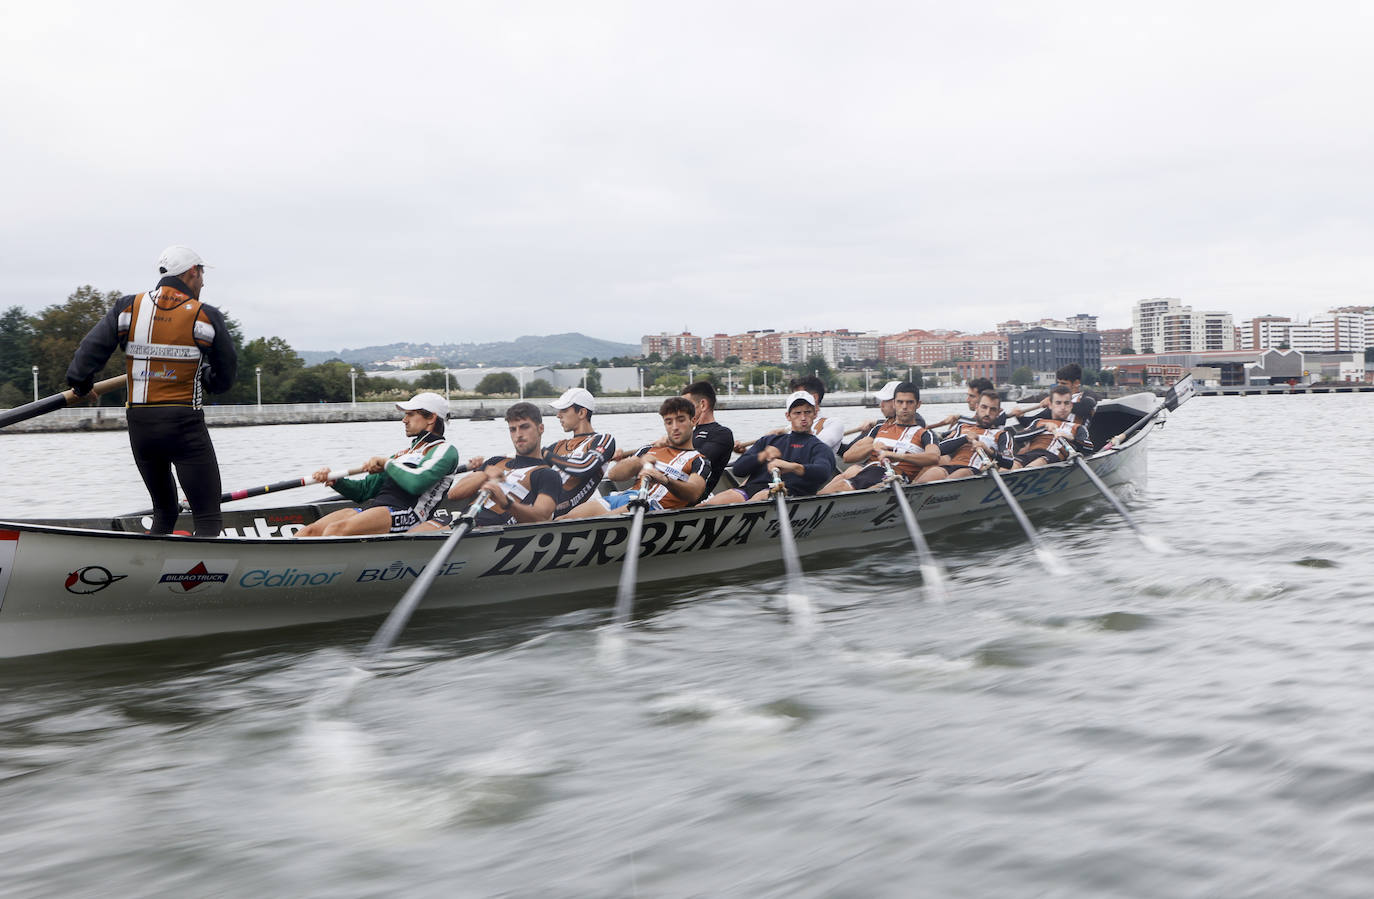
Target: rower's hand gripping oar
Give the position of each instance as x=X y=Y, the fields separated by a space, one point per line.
x=391 y=628
x=1047 y=559
x=798 y=603
x=1153 y=544
x=931 y=571
x=58 y=401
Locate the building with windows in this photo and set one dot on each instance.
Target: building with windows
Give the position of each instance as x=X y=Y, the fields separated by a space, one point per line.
x=1047 y=349
x=1115 y=341
x=1165 y=325
x=1265 y=331
x=1331 y=332
x=666 y=344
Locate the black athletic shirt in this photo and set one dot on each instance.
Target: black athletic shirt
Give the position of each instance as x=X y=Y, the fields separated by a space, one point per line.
x=716 y=442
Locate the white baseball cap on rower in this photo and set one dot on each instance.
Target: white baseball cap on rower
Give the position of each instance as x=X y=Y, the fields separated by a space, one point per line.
x=888 y=392
x=575 y=396
x=176 y=260
x=801 y=396
x=429 y=402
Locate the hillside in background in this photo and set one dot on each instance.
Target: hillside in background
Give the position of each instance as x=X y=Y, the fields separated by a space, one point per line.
x=528 y=350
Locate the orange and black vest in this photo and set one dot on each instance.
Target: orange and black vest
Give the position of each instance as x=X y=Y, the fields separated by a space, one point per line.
x=679 y=464
x=1052 y=435
x=164 y=333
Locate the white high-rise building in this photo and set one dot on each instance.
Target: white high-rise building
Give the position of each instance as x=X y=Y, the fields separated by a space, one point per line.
x=1264 y=332
x=1165 y=325
x=1331 y=332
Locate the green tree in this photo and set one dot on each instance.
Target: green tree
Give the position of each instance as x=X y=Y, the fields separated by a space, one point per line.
x=432 y=380
x=498 y=382
x=58 y=331
x=327 y=382
x=1023 y=376
x=673 y=381
x=593 y=379
x=11 y=396
x=16 y=348
x=817 y=366
x=279 y=364
x=771 y=375
x=540 y=387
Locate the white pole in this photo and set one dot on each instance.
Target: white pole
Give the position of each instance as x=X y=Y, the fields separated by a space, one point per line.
x=447 y=394
x=35 y=383
x=522 y=383
x=259 y=373
x=640 y=373
x=353 y=383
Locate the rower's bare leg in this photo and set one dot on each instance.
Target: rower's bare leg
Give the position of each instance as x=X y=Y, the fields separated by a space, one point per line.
x=933 y=473
x=376 y=520
x=1038 y=462
x=838 y=484
x=725 y=498
x=427 y=527
x=962 y=473
x=590 y=509
x=317 y=528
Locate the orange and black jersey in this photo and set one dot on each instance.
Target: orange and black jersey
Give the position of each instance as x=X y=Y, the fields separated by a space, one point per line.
x=1084 y=404
x=960 y=445
x=579 y=461
x=174 y=345
x=1053 y=437
x=897 y=438
x=678 y=464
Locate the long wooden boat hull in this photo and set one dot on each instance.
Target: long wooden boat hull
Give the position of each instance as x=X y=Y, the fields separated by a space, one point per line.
x=65 y=585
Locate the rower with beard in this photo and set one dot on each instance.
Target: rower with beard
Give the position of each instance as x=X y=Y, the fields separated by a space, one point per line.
x=674 y=472
x=969 y=446
x=902 y=442
x=398 y=491
x=580 y=459
x=1050 y=438
x=1084 y=401
x=521 y=488
x=976 y=386
x=800 y=458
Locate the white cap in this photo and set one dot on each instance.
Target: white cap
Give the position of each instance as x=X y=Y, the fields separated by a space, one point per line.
x=428 y=402
x=176 y=260
x=575 y=396
x=888 y=392
x=801 y=396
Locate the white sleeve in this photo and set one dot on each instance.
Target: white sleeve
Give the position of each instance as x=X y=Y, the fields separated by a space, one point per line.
x=832 y=435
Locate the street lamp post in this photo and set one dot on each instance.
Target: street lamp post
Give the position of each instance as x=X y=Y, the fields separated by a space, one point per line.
x=259 y=373
x=447 y=395
x=353 y=384
x=730 y=380
x=35 y=383
x=640 y=373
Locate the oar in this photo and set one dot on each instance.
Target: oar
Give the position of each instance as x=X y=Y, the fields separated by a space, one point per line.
x=391 y=628
x=629 y=569
x=798 y=604
x=931 y=572
x=1047 y=559
x=293 y=483
x=57 y=401
x=1151 y=543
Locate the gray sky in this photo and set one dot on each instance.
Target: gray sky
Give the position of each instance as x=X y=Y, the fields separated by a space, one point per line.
x=456 y=171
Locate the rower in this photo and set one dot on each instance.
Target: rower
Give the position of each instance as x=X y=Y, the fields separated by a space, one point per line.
x=903 y=442
x=398 y=491
x=830 y=431
x=674 y=473
x=970 y=445
x=976 y=386
x=580 y=459
x=804 y=462
x=709 y=437
x=520 y=488
x=1084 y=401
x=1053 y=437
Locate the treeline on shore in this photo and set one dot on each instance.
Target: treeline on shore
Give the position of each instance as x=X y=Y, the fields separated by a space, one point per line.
x=49 y=339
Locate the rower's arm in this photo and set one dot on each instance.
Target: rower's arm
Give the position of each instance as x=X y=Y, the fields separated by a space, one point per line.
x=416 y=478
x=467 y=486
x=627 y=469
x=96 y=348
x=543 y=488
x=859 y=449
x=359 y=489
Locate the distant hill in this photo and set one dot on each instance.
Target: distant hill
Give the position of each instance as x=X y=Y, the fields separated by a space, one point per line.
x=529 y=350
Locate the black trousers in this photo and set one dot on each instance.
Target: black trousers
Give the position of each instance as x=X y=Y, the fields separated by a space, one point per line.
x=165 y=436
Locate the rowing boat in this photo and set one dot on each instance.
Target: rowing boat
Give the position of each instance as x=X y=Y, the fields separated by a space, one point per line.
x=72 y=583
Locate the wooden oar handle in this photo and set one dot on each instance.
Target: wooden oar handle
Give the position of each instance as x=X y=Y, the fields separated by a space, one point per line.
x=99 y=388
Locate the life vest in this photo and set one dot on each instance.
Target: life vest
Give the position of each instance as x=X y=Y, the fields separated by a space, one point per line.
x=162 y=334
x=897 y=438
x=678 y=465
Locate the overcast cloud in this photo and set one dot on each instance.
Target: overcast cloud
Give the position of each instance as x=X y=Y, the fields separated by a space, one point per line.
x=456 y=171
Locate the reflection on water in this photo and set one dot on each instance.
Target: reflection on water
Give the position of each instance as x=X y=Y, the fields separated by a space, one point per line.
x=1189 y=725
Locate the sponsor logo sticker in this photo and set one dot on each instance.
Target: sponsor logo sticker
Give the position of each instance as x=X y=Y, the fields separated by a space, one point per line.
x=91 y=579
x=183 y=577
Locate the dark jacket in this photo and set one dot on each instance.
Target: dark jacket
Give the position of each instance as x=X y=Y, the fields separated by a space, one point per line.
x=807 y=449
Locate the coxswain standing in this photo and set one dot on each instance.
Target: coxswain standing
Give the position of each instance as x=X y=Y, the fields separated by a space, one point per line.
x=398 y=491
x=175 y=347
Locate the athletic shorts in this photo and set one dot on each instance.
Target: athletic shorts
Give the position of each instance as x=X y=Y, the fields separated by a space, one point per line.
x=951 y=469
x=743 y=494
x=1030 y=456
x=401 y=519
x=621 y=499
x=870 y=474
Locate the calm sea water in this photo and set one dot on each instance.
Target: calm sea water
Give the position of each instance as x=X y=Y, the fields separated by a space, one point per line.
x=1196 y=724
